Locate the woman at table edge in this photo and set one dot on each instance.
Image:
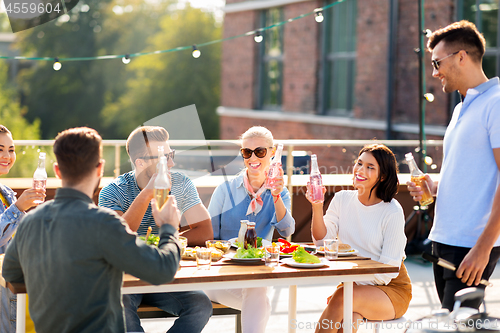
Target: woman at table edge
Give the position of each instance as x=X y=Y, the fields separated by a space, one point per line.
x=246 y=198
x=12 y=211
x=370 y=220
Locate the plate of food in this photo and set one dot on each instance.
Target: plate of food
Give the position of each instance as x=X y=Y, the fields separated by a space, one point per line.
x=243 y=260
x=190 y=254
x=345 y=250
x=263 y=242
x=291 y=262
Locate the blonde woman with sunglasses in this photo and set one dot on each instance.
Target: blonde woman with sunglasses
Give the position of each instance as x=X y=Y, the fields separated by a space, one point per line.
x=246 y=198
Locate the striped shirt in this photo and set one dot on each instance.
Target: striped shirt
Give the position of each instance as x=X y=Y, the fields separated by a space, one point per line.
x=121 y=193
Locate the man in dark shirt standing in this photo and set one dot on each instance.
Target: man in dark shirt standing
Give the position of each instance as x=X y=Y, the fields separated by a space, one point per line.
x=71 y=254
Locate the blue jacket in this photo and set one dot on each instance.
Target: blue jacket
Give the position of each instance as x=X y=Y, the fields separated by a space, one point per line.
x=229 y=205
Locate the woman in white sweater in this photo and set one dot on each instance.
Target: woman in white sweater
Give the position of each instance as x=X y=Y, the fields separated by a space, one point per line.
x=371 y=221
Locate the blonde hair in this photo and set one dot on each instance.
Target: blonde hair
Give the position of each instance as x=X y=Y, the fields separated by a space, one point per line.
x=258 y=132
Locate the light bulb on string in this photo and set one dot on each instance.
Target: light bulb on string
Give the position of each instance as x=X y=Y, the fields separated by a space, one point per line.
x=126 y=59
x=427 y=32
x=57 y=65
x=196 y=53
x=319 y=16
x=258 y=37
x=429 y=97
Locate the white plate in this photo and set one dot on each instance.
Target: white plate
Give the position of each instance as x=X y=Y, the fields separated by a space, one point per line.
x=231 y=257
x=233 y=241
x=291 y=262
x=344 y=254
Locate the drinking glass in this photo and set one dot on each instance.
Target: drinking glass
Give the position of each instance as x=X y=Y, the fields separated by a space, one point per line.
x=331 y=248
x=203 y=258
x=272 y=255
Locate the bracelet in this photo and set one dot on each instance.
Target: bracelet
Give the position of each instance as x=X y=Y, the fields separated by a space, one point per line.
x=277 y=197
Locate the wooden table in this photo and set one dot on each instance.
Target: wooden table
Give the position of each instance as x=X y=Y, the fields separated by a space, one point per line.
x=226 y=275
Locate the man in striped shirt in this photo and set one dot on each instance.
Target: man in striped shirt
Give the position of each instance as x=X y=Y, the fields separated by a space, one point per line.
x=130 y=195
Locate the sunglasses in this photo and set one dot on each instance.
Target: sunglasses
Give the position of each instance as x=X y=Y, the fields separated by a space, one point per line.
x=260 y=152
x=435 y=63
x=169 y=156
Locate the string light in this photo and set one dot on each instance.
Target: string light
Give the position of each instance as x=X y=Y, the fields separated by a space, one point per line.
x=429 y=97
x=427 y=32
x=196 y=53
x=57 y=65
x=258 y=37
x=318 y=12
x=319 y=15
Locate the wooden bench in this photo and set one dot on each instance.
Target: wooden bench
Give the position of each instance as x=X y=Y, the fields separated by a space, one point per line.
x=148 y=312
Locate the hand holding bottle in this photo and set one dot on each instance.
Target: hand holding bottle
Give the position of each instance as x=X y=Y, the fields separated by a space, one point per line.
x=277 y=183
x=417 y=192
x=421 y=182
x=309 y=195
x=168 y=214
x=30 y=198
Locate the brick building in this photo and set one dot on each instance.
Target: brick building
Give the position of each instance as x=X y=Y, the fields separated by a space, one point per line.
x=353 y=76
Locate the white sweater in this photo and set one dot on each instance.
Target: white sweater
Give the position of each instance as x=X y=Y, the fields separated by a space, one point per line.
x=375 y=231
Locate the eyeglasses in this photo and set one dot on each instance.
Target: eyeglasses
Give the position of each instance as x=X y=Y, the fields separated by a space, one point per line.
x=169 y=156
x=435 y=63
x=260 y=152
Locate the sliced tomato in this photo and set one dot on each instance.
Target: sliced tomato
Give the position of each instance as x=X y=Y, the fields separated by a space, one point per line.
x=284 y=242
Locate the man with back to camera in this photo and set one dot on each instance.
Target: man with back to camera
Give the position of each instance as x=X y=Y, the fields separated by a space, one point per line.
x=467 y=218
x=71 y=254
x=130 y=195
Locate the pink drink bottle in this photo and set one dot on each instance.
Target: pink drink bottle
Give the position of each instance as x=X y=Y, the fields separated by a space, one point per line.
x=40 y=176
x=315 y=182
x=274 y=168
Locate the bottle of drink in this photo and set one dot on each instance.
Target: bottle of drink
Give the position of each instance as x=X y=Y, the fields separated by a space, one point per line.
x=242 y=232
x=251 y=235
x=315 y=181
x=418 y=177
x=274 y=168
x=162 y=183
x=161 y=152
x=40 y=176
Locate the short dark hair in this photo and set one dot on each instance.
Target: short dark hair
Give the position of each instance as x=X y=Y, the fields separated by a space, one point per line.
x=387 y=183
x=138 y=140
x=462 y=35
x=78 y=152
x=5 y=130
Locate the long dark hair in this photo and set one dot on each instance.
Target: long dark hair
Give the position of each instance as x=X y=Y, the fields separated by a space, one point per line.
x=387 y=183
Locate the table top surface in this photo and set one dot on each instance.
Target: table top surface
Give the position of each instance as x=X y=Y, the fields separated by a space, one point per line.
x=226 y=270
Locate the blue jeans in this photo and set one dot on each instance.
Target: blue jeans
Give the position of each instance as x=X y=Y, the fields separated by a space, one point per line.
x=194 y=309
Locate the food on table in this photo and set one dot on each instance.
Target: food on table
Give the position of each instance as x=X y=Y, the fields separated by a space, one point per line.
x=345 y=248
x=222 y=245
x=302 y=256
x=287 y=247
x=259 y=243
x=151 y=240
x=190 y=254
x=251 y=252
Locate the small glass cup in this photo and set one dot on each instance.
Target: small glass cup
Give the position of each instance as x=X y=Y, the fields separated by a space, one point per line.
x=203 y=258
x=331 y=248
x=272 y=255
